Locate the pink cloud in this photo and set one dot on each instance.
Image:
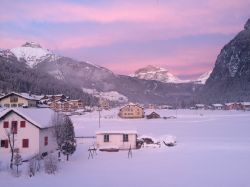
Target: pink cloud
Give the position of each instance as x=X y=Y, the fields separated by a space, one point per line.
x=187 y=60
x=149 y=21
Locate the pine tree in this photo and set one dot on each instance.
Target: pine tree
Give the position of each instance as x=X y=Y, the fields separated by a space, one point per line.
x=65 y=134
x=69 y=144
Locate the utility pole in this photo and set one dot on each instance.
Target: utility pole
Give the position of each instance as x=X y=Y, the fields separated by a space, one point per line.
x=99 y=110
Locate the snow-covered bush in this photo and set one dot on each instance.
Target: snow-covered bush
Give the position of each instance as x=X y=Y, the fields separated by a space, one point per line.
x=34 y=165
x=17 y=161
x=50 y=164
x=169 y=140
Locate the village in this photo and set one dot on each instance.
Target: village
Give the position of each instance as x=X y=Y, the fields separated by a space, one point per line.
x=27 y=127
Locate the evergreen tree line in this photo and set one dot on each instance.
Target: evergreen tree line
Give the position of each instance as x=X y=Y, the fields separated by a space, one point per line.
x=15 y=76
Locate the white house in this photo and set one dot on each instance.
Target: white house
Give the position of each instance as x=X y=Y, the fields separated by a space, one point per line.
x=217 y=106
x=116 y=139
x=13 y=100
x=32 y=128
x=200 y=106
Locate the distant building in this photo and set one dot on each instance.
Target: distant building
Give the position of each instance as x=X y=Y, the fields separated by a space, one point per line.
x=151 y=106
x=55 y=97
x=32 y=128
x=13 y=100
x=232 y=106
x=199 y=106
x=116 y=139
x=245 y=105
x=104 y=103
x=217 y=106
x=75 y=104
x=131 y=111
x=153 y=115
x=166 y=107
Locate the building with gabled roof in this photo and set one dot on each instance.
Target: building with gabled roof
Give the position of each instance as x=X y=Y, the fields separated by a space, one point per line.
x=131 y=111
x=14 y=99
x=153 y=115
x=32 y=128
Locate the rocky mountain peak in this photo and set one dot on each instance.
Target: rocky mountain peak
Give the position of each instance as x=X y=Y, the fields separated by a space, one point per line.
x=247 y=25
x=32 y=53
x=148 y=68
x=151 y=72
x=32 y=45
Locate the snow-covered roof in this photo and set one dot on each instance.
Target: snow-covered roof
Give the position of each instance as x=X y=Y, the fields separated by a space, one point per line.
x=245 y=103
x=131 y=104
x=116 y=132
x=200 y=105
x=217 y=105
x=228 y=104
x=40 y=117
x=24 y=95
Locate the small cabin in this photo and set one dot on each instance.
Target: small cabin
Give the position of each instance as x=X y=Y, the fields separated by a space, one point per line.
x=199 y=106
x=153 y=115
x=131 y=111
x=232 y=106
x=217 y=106
x=120 y=140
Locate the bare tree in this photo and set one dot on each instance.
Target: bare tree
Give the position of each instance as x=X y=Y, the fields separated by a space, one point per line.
x=11 y=141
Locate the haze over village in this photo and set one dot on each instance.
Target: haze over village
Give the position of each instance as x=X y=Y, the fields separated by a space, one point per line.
x=124 y=93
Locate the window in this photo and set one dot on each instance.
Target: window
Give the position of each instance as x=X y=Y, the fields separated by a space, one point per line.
x=125 y=137
x=14 y=127
x=5 y=124
x=23 y=124
x=25 y=143
x=46 y=140
x=4 y=143
x=7 y=105
x=106 y=138
x=20 y=104
x=13 y=105
x=13 y=99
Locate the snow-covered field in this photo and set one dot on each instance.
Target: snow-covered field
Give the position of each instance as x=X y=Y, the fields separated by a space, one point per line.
x=213 y=150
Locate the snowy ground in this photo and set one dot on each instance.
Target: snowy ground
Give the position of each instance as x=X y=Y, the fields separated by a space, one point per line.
x=213 y=150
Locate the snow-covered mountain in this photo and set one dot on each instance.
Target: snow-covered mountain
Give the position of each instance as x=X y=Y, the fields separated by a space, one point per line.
x=163 y=75
x=230 y=79
x=32 y=53
x=203 y=78
x=157 y=73
x=79 y=74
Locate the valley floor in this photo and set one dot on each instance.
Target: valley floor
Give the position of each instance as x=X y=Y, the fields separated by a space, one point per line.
x=213 y=150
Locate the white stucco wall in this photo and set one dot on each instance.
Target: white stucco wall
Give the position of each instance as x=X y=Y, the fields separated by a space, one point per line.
x=31 y=132
x=52 y=145
x=116 y=140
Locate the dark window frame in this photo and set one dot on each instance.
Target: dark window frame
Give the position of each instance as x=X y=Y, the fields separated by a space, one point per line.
x=22 y=124
x=25 y=143
x=125 y=138
x=106 y=138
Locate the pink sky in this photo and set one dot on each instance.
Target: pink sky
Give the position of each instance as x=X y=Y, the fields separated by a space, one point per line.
x=75 y=28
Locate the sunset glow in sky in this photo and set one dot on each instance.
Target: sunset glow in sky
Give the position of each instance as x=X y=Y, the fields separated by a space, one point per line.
x=184 y=36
